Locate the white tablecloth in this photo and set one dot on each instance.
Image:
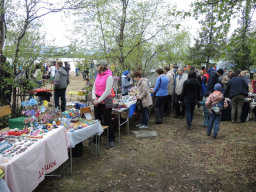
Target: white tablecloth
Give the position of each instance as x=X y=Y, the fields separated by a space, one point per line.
x=83 y=134
x=130 y=103
x=25 y=171
x=127 y=104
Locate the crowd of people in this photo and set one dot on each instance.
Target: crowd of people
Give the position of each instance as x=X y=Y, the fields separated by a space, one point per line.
x=183 y=91
x=175 y=90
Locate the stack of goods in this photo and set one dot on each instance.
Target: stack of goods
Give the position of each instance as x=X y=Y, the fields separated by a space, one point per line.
x=11 y=146
x=82 y=123
x=39 y=120
x=72 y=114
x=122 y=103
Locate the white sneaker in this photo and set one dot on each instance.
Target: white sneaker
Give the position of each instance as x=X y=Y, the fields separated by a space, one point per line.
x=139 y=125
x=143 y=127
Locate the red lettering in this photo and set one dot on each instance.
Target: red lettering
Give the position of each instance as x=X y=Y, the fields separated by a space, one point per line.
x=41 y=173
x=53 y=164
x=47 y=167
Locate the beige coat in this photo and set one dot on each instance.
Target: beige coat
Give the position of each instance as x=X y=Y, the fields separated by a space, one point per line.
x=225 y=80
x=171 y=83
x=143 y=92
x=179 y=83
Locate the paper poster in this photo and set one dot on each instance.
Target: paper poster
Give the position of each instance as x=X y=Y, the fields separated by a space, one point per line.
x=88 y=116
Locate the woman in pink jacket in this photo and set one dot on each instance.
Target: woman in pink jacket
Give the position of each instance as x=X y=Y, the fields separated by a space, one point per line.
x=102 y=97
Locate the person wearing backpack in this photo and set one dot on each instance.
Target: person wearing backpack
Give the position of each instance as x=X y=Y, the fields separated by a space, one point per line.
x=215 y=103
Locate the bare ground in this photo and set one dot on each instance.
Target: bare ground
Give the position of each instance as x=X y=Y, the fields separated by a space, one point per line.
x=177 y=160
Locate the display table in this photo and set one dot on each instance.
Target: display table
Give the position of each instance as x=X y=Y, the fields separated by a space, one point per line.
x=82 y=134
x=41 y=90
x=78 y=92
x=43 y=94
x=25 y=171
x=130 y=108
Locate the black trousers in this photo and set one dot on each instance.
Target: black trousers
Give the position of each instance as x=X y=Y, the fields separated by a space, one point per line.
x=105 y=115
x=60 y=93
x=159 y=108
x=168 y=104
x=178 y=105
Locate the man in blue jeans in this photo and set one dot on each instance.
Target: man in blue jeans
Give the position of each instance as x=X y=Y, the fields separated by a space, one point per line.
x=60 y=85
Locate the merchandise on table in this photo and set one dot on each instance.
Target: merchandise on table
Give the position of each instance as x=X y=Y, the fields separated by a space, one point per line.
x=26 y=132
x=11 y=146
x=123 y=101
x=82 y=123
x=5 y=144
x=72 y=114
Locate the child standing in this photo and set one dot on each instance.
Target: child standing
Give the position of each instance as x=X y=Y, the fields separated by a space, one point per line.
x=215 y=99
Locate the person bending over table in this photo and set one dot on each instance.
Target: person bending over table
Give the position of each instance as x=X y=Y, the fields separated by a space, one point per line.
x=60 y=85
x=126 y=83
x=102 y=97
x=145 y=98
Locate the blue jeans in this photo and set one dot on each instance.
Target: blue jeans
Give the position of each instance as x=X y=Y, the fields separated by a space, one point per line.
x=213 y=119
x=144 y=120
x=206 y=116
x=189 y=109
x=77 y=70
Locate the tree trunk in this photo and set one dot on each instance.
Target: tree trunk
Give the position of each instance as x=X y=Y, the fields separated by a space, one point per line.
x=15 y=62
x=121 y=34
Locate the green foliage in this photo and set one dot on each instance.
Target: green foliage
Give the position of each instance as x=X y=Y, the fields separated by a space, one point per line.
x=128 y=33
x=175 y=49
x=217 y=24
x=240 y=47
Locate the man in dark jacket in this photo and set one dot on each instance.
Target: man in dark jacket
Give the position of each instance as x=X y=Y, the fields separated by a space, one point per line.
x=213 y=79
x=60 y=84
x=236 y=90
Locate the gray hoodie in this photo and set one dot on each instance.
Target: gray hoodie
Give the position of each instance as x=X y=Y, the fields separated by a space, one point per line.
x=61 y=80
x=125 y=84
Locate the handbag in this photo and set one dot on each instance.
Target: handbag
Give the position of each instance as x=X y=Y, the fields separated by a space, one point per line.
x=216 y=109
x=138 y=105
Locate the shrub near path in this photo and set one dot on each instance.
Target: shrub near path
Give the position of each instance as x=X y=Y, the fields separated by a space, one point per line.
x=177 y=160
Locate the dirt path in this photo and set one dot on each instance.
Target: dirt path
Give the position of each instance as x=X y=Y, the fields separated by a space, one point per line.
x=177 y=160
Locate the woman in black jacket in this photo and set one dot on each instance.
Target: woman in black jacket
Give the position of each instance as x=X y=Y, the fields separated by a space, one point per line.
x=190 y=95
